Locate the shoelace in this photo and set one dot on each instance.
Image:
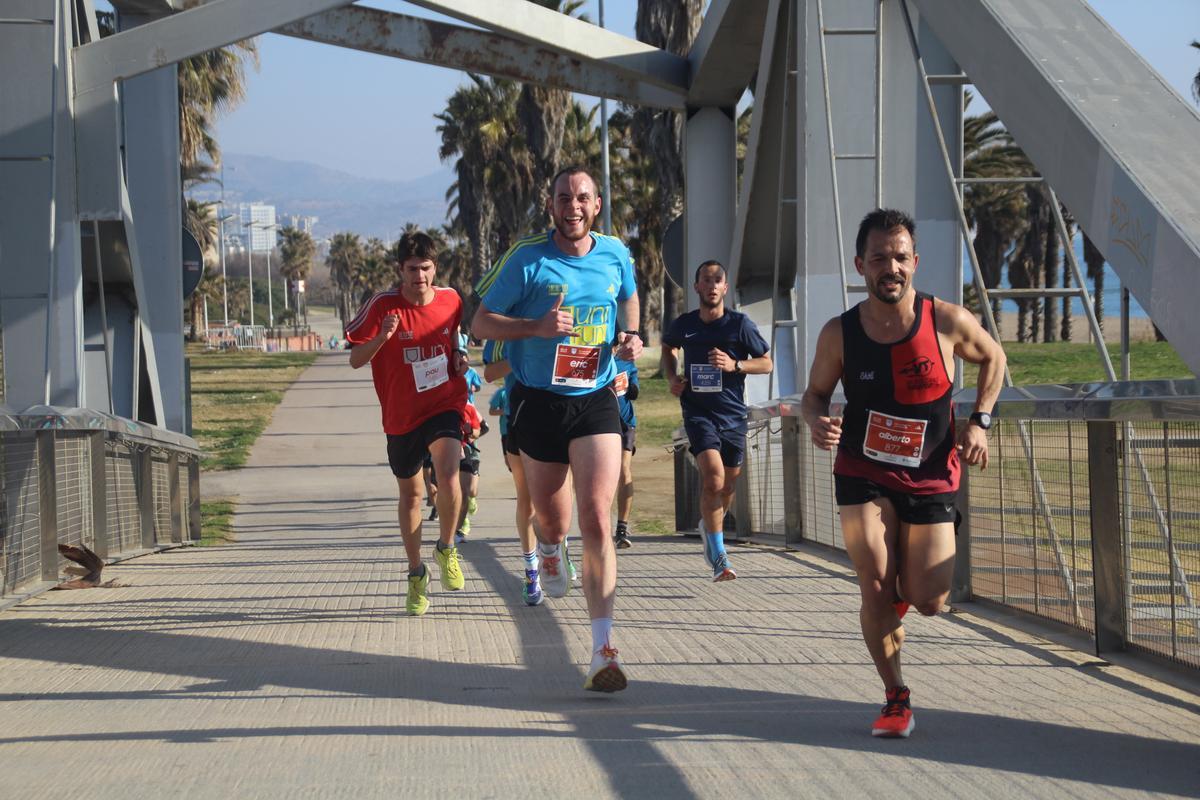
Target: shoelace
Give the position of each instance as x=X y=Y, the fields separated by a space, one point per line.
x=550 y=565
x=608 y=652
x=896 y=706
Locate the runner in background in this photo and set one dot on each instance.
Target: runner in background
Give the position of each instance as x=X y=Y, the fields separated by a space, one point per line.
x=626 y=386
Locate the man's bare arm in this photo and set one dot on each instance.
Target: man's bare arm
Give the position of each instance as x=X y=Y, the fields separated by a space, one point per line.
x=361 y=354
x=668 y=363
x=496 y=370
x=974 y=345
x=823 y=378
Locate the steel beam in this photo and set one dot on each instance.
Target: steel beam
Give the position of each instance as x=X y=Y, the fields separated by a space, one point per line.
x=725 y=53
x=1104 y=129
x=427 y=41
x=573 y=37
x=174 y=38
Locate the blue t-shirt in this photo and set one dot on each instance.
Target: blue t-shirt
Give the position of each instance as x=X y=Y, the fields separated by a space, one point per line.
x=711 y=393
x=474 y=383
x=527 y=281
x=494 y=353
x=623 y=402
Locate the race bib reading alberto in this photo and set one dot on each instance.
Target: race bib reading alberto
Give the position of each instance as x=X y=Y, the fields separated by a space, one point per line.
x=704 y=378
x=894 y=440
x=430 y=373
x=576 y=365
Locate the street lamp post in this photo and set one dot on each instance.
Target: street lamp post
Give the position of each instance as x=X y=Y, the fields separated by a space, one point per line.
x=270 y=298
x=221 y=220
x=606 y=208
x=250 y=261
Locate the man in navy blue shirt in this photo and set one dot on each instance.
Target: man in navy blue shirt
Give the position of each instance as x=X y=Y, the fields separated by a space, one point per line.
x=720 y=348
x=626 y=387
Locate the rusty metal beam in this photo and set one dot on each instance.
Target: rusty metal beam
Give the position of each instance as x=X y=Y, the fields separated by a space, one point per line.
x=179 y=36
x=572 y=37
x=400 y=36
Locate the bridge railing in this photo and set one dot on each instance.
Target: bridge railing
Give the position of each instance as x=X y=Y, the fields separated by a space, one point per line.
x=1089 y=513
x=82 y=477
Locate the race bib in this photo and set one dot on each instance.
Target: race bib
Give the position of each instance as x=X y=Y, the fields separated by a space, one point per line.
x=430 y=373
x=894 y=440
x=621 y=384
x=576 y=365
x=705 y=378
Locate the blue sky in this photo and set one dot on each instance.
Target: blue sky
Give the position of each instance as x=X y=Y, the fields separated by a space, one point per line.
x=373 y=116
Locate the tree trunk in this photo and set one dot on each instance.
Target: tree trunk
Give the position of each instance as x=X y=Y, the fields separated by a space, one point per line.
x=1050 y=281
x=1095 y=269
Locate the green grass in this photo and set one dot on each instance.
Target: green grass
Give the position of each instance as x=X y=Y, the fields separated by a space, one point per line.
x=1065 y=362
x=233 y=397
x=216 y=522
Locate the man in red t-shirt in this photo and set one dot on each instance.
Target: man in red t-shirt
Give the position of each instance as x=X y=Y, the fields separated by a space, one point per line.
x=410 y=338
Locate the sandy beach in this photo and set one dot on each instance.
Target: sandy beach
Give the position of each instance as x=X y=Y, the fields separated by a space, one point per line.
x=1140 y=328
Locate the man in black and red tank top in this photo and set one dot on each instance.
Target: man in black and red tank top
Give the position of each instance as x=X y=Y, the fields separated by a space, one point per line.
x=897 y=469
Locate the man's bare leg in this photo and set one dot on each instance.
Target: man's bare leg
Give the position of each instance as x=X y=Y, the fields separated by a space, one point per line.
x=927 y=565
x=871 y=531
x=717 y=484
x=409 y=513
x=446 y=453
x=524 y=515
x=624 y=498
x=596 y=465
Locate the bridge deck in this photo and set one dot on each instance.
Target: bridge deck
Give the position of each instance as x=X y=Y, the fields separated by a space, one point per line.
x=282 y=665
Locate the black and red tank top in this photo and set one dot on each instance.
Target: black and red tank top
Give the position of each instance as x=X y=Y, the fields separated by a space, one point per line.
x=898 y=427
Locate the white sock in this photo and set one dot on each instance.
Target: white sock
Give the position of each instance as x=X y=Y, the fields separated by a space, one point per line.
x=548 y=549
x=601 y=632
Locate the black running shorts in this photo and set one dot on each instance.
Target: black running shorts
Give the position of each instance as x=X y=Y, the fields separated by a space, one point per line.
x=406 y=451
x=543 y=423
x=915 y=509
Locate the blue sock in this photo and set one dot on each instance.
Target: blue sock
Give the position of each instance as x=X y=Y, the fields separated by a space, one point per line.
x=714 y=543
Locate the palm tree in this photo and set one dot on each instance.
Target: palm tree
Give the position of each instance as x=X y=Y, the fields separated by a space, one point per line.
x=201 y=221
x=1095 y=270
x=296 y=251
x=344 y=260
x=1196 y=80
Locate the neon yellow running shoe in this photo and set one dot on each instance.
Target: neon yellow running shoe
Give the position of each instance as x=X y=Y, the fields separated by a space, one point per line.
x=418 y=588
x=472 y=506
x=451 y=573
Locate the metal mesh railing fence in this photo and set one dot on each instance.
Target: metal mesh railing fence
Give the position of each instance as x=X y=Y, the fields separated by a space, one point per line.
x=819 y=513
x=124 y=515
x=1160 y=494
x=20 y=535
x=764 y=470
x=162 y=497
x=1030 y=521
x=73 y=472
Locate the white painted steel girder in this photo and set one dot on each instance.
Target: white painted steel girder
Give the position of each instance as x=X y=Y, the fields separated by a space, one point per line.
x=456 y=47
x=573 y=37
x=1107 y=132
x=725 y=53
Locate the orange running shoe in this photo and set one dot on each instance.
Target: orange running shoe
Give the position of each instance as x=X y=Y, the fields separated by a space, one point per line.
x=896 y=720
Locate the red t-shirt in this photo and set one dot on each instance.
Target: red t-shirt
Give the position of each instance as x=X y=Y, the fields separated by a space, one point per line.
x=413 y=370
x=471 y=419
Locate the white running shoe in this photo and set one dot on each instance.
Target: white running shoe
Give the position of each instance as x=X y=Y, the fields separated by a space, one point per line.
x=556 y=578
x=605 y=673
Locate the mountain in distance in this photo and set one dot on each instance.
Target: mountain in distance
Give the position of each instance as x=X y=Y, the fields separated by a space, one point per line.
x=339 y=200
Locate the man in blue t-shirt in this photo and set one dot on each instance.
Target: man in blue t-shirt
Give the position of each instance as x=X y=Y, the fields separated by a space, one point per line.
x=554 y=298
x=627 y=387
x=720 y=348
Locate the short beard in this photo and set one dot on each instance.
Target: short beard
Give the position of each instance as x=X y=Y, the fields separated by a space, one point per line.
x=587 y=230
x=705 y=304
x=891 y=301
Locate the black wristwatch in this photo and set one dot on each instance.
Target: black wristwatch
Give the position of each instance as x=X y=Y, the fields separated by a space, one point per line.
x=737 y=366
x=634 y=333
x=981 y=418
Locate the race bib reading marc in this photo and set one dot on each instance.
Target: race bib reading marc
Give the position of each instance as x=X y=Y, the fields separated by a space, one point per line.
x=576 y=365
x=704 y=378
x=430 y=373
x=894 y=440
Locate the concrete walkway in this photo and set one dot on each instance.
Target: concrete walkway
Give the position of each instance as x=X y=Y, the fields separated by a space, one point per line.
x=281 y=666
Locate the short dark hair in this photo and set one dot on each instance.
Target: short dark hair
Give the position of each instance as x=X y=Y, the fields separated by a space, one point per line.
x=712 y=262
x=416 y=245
x=573 y=169
x=886 y=220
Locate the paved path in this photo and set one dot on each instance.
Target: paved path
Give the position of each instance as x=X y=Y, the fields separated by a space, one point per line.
x=281 y=666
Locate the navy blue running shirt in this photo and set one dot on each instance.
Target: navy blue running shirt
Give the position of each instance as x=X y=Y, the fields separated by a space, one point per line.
x=710 y=393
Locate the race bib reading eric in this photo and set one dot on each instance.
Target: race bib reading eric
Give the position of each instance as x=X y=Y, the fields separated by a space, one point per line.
x=430 y=373
x=705 y=378
x=621 y=384
x=894 y=440
x=576 y=365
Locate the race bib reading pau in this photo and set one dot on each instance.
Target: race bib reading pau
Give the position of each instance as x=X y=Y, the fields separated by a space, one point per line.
x=576 y=365
x=621 y=384
x=894 y=440
x=430 y=373
x=704 y=378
